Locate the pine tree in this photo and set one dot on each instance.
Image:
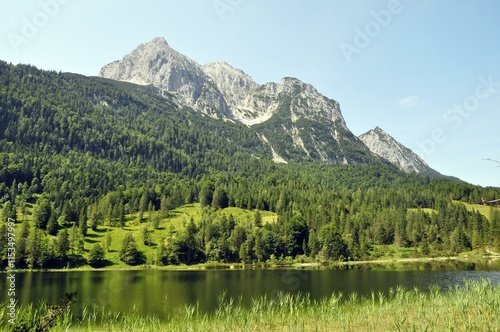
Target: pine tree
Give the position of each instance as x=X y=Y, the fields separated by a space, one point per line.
x=129 y=252
x=257 y=219
x=144 y=202
x=259 y=249
x=151 y=210
x=244 y=253
x=219 y=199
x=21 y=243
x=52 y=225
x=9 y=211
x=146 y=235
x=3 y=242
x=495 y=228
x=164 y=205
x=13 y=192
x=121 y=214
x=63 y=243
x=155 y=220
x=206 y=194
x=73 y=239
x=333 y=246
x=34 y=187
x=160 y=255
x=107 y=240
x=83 y=222
x=94 y=216
x=42 y=213
x=96 y=256
x=313 y=243
x=33 y=248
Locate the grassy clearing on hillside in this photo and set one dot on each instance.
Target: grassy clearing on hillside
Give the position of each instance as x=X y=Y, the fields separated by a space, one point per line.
x=474 y=306
x=426 y=210
x=483 y=209
x=175 y=222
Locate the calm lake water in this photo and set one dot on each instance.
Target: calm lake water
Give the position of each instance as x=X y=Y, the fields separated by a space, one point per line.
x=161 y=292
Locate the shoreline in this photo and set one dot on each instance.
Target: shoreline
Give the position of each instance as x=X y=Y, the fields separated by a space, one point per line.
x=267 y=266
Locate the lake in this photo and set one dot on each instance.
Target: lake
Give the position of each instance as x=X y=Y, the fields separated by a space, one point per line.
x=164 y=292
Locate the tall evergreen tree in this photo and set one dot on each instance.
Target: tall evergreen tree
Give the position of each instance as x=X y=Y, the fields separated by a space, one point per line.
x=96 y=256
x=129 y=253
x=33 y=248
x=52 y=225
x=63 y=243
x=219 y=199
x=42 y=213
x=206 y=194
x=83 y=222
x=333 y=246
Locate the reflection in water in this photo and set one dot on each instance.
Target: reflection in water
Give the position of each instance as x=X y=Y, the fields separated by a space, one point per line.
x=166 y=292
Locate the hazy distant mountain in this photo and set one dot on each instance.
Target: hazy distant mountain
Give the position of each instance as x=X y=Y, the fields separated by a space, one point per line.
x=384 y=145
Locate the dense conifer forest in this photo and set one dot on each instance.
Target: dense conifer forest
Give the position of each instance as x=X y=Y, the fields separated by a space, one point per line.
x=81 y=154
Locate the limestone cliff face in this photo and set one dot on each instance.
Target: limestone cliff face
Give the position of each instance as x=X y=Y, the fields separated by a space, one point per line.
x=251 y=103
x=384 y=145
x=233 y=83
x=156 y=63
x=291 y=117
x=217 y=88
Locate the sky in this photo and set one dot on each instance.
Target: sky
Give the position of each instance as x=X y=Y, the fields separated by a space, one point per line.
x=425 y=71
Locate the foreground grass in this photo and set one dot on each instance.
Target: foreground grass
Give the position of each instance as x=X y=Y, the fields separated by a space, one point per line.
x=473 y=306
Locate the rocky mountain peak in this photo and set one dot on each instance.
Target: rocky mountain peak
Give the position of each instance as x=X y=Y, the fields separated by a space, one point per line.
x=307 y=102
x=292 y=117
x=387 y=147
x=234 y=84
x=158 y=64
x=222 y=68
x=160 y=41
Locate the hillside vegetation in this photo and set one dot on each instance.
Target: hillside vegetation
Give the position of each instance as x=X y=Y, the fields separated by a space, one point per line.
x=80 y=156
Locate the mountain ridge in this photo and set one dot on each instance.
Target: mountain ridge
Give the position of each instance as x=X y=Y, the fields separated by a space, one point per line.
x=296 y=121
x=387 y=147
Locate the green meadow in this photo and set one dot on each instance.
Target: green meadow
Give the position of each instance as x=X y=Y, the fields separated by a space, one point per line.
x=168 y=226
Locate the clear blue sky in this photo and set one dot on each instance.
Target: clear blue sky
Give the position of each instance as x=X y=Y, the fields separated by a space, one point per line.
x=426 y=71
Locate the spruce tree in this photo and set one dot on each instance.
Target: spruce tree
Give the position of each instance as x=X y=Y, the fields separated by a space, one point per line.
x=33 y=248
x=52 y=225
x=219 y=199
x=96 y=256
x=63 y=243
x=42 y=213
x=107 y=240
x=129 y=252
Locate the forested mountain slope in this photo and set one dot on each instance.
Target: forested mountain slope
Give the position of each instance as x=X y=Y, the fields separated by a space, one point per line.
x=84 y=152
x=291 y=117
